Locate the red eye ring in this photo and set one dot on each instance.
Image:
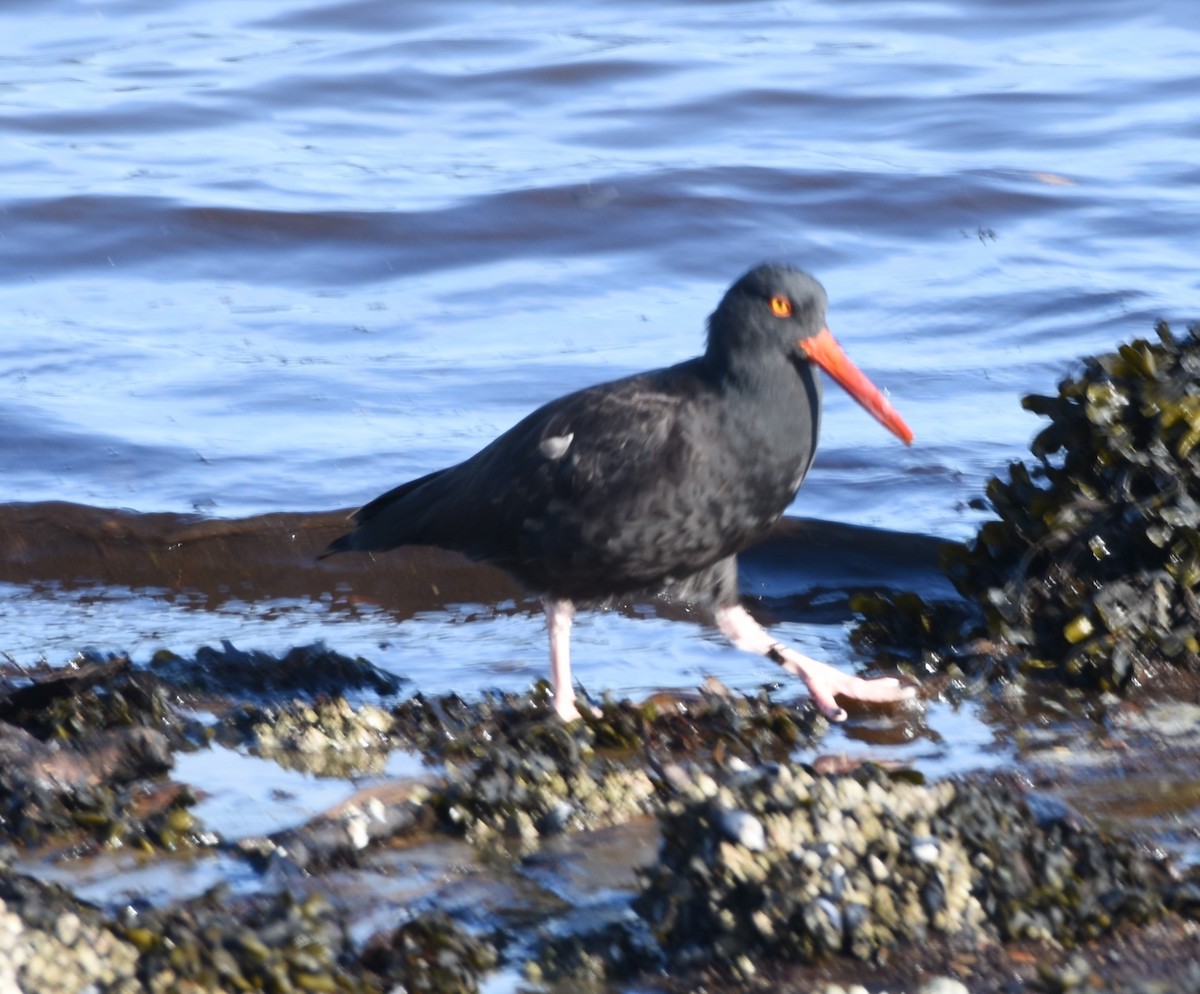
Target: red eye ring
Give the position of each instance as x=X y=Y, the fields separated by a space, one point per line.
x=781 y=306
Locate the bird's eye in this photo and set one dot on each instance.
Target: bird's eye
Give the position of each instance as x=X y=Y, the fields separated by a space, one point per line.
x=781 y=306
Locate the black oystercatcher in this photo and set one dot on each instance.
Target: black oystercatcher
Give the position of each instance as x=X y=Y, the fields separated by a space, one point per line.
x=654 y=483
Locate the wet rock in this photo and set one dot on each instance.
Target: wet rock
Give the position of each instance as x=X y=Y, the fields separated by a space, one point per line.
x=103 y=757
x=339 y=838
x=54 y=944
x=764 y=862
x=1080 y=976
x=538 y=777
x=329 y=737
x=1183 y=898
x=51 y=943
x=82 y=757
x=716 y=723
x=513 y=773
x=309 y=671
x=431 y=954
x=269 y=943
x=613 y=951
x=92 y=694
x=859 y=864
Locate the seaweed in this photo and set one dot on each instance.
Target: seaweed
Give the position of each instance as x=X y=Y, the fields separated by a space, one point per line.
x=1089 y=573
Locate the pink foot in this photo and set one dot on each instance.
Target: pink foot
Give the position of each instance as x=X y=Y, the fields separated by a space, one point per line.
x=824 y=682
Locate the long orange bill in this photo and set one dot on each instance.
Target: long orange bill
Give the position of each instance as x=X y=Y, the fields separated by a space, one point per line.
x=822 y=349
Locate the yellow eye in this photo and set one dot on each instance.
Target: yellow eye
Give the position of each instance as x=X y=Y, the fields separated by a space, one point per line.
x=781 y=307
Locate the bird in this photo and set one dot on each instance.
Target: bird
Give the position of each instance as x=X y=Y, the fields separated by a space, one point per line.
x=651 y=485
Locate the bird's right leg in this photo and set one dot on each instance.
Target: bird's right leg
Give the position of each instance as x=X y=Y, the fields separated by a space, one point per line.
x=824 y=682
x=558 y=623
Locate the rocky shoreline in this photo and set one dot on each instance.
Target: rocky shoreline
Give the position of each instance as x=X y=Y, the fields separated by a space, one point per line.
x=771 y=873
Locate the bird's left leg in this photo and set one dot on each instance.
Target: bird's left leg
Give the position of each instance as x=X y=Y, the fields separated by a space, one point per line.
x=559 y=614
x=824 y=682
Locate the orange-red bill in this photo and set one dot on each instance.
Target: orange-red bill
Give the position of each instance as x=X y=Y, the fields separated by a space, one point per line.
x=824 y=350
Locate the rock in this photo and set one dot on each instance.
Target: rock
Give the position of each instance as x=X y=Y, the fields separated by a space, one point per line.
x=744 y=829
x=952 y=859
x=943 y=985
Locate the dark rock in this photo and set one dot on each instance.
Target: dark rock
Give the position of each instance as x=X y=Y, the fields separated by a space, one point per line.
x=309 y=671
x=431 y=954
x=82 y=756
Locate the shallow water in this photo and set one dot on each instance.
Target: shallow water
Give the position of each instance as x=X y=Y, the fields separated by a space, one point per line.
x=260 y=257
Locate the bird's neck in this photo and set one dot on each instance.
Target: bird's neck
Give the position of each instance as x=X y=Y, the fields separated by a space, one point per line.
x=774 y=402
x=749 y=377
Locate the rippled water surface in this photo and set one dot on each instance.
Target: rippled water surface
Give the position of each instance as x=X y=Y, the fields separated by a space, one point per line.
x=260 y=256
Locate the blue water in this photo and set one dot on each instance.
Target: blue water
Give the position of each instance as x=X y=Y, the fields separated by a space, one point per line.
x=282 y=256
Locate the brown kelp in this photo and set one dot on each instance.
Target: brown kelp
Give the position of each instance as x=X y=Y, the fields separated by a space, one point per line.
x=1090 y=570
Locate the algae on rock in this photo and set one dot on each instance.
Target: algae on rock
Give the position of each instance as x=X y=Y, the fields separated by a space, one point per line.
x=1091 y=571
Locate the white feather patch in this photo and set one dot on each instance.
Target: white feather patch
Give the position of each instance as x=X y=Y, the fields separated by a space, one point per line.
x=556 y=447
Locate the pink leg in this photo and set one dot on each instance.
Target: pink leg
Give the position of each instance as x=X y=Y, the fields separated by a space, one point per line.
x=558 y=623
x=822 y=680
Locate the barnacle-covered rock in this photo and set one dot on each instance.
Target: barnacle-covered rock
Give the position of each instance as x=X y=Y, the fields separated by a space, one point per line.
x=269 y=943
x=539 y=777
x=54 y=944
x=859 y=864
x=513 y=771
x=79 y=750
x=329 y=737
x=1092 y=569
x=717 y=723
x=431 y=954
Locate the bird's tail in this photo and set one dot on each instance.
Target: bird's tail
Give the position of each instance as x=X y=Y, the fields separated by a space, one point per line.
x=342 y=544
x=395 y=518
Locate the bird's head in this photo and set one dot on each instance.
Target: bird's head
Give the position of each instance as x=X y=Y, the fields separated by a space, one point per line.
x=776 y=309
